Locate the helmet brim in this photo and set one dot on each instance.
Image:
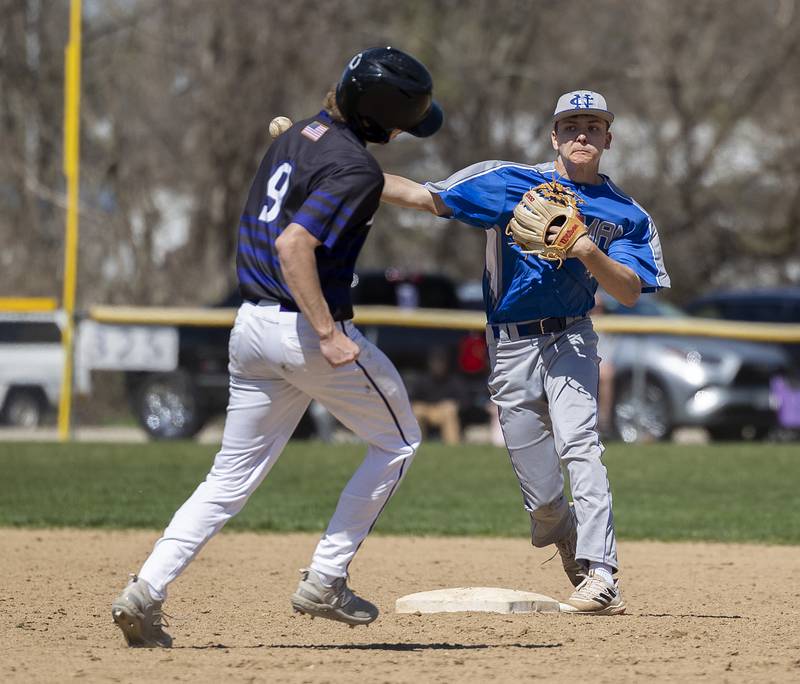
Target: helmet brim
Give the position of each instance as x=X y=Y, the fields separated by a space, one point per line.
x=431 y=123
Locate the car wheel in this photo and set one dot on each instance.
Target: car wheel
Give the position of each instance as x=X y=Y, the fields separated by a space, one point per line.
x=642 y=416
x=24 y=408
x=166 y=407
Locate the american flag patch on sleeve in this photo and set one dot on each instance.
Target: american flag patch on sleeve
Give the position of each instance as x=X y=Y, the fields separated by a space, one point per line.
x=314 y=131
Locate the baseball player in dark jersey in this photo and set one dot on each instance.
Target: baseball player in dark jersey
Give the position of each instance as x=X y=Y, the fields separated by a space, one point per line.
x=542 y=348
x=306 y=218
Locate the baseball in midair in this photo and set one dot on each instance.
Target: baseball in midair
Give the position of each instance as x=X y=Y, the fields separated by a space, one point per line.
x=278 y=125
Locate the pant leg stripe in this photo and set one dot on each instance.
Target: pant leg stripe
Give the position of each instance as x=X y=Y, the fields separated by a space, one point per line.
x=381 y=395
x=402 y=436
x=378 y=514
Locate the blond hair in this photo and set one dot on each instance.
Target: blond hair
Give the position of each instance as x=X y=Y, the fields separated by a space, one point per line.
x=330 y=106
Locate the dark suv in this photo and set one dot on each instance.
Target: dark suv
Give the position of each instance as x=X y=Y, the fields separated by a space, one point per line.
x=178 y=404
x=763 y=305
x=767 y=305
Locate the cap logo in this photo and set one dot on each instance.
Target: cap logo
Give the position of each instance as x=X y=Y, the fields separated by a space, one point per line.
x=582 y=101
x=355 y=61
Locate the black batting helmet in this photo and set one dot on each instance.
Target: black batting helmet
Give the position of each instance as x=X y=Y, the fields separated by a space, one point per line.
x=382 y=89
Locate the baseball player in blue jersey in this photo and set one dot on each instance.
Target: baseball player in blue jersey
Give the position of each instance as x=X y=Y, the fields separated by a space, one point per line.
x=306 y=218
x=542 y=348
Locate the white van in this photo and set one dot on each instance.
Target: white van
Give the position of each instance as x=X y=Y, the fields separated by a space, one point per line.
x=31 y=363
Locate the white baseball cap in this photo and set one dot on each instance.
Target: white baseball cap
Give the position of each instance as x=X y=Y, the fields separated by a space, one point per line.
x=582 y=102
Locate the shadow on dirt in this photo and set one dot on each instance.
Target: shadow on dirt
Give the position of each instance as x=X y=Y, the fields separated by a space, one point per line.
x=444 y=646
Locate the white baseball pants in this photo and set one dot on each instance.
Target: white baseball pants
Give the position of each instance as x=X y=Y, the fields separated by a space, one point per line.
x=276 y=368
x=545 y=388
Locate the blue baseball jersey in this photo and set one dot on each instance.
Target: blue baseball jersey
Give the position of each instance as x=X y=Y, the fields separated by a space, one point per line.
x=319 y=175
x=521 y=287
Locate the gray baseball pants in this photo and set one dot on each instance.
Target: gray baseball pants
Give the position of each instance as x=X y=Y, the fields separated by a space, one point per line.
x=545 y=389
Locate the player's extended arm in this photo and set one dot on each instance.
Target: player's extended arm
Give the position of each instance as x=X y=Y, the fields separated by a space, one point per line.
x=296 y=247
x=407 y=193
x=615 y=278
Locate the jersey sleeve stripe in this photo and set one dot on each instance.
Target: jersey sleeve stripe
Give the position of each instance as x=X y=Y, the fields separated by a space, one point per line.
x=472 y=172
x=662 y=277
x=336 y=202
x=654 y=242
x=338 y=215
x=311 y=224
x=324 y=209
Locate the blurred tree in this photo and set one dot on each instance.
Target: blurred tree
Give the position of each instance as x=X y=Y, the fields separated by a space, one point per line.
x=178 y=94
x=32 y=37
x=711 y=88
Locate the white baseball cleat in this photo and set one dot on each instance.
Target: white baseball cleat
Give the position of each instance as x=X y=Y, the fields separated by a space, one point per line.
x=140 y=617
x=336 y=602
x=596 y=597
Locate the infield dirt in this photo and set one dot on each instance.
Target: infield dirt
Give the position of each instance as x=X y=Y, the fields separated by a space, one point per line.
x=696 y=612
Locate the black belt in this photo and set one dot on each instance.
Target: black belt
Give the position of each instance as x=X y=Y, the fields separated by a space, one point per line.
x=544 y=326
x=339 y=314
x=283 y=306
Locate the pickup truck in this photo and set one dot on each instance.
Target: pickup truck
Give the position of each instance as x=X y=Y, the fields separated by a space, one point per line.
x=176 y=404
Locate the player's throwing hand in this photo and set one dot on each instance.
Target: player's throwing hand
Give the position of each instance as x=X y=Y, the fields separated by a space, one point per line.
x=338 y=349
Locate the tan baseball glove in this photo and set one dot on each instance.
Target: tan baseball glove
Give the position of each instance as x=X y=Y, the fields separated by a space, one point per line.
x=542 y=211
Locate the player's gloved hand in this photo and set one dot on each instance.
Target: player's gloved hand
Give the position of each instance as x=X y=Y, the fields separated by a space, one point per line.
x=338 y=349
x=547 y=222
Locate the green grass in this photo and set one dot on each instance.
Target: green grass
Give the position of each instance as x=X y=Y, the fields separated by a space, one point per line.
x=727 y=492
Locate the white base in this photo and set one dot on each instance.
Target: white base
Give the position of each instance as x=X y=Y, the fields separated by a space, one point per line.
x=478 y=599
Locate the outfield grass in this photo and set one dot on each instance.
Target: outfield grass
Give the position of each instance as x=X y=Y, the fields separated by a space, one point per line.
x=727 y=492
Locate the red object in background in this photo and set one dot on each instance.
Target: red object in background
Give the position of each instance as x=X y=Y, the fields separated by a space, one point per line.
x=472 y=353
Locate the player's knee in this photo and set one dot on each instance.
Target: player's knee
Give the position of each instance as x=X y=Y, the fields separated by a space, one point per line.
x=585 y=446
x=398 y=444
x=227 y=492
x=411 y=452
x=412 y=435
x=405 y=449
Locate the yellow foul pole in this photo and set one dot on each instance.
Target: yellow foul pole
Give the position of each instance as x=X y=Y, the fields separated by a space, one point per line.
x=72 y=108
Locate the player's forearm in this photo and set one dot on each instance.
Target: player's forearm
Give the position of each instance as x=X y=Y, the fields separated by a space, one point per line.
x=615 y=278
x=407 y=193
x=299 y=267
